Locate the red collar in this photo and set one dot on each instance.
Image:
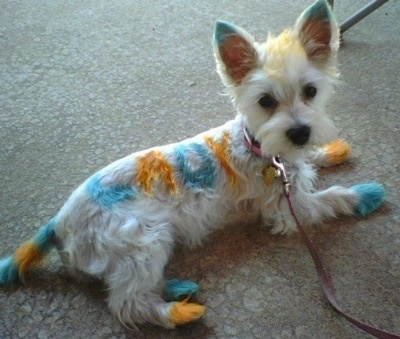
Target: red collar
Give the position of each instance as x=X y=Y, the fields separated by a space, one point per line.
x=252 y=144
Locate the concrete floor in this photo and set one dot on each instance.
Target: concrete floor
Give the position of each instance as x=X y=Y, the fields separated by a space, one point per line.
x=83 y=83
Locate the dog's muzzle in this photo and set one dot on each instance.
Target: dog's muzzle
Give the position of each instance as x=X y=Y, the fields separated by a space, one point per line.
x=299 y=135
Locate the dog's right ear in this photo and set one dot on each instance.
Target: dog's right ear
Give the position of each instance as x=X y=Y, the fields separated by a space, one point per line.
x=318 y=32
x=234 y=51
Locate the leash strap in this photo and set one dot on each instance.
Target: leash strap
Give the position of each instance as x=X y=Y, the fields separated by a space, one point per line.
x=323 y=276
x=327 y=285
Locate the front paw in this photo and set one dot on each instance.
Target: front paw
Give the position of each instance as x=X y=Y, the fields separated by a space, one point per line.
x=331 y=154
x=370 y=197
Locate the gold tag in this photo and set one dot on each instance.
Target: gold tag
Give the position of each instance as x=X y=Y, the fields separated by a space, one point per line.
x=269 y=175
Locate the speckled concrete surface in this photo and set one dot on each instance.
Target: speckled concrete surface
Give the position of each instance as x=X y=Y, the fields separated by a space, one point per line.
x=83 y=83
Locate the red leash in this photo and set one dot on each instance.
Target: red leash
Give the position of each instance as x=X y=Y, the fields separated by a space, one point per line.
x=323 y=275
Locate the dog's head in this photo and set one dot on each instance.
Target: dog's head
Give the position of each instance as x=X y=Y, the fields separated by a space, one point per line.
x=281 y=86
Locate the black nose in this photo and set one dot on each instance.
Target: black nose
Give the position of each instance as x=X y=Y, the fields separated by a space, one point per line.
x=299 y=135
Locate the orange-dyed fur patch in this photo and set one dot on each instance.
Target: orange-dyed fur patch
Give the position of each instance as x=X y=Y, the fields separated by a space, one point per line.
x=25 y=256
x=220 y=150
x=279 y=48
x=153 y=166
x=183 y=312
x=337 y=151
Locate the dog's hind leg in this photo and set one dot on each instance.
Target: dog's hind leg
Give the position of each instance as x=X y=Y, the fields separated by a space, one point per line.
x=151 y=308
x=134 y=279
x=134 y=303
x=330 y=154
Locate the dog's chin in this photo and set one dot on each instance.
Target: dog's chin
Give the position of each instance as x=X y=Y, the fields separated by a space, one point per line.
x=288 y=152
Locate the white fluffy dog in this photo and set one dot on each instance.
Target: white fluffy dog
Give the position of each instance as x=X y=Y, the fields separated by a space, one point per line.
x=121 y=224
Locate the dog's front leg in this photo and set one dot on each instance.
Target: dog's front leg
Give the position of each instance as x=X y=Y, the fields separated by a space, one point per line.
x=358 y=200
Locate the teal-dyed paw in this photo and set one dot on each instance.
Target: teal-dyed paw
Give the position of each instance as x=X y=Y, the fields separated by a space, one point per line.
x=176 y=289
x=371 y=197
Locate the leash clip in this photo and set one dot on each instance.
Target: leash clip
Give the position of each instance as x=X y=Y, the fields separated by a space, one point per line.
x=279 y=166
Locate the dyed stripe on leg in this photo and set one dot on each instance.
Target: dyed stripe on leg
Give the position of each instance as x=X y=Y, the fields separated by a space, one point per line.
x=183 y=312
x=331 y=154
x=370 y=196
x=336 y=152
x=176 y=289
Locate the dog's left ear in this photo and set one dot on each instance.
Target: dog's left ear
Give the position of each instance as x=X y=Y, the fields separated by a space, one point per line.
x=318 y=32
x=234 y=51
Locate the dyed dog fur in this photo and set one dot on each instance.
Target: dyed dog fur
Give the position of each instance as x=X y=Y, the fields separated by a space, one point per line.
x=121 y=224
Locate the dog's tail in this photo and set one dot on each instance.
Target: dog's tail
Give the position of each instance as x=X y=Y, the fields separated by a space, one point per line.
x=29 y=254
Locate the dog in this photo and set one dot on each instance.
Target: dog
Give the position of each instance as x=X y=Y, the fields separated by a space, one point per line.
x=121 y=224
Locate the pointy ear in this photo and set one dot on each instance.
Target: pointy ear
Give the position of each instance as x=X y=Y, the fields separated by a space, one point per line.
x=318 y=32
x=234 y=51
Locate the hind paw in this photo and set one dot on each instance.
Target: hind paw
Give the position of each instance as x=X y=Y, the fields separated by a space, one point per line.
x=370 y=196
x=176 y=289
x=182 y=312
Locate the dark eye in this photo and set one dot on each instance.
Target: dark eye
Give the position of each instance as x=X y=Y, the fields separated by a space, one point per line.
x=267 y=101
x=310 y=91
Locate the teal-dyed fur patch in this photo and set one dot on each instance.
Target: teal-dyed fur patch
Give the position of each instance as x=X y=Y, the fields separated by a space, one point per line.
x=198 y=177
x=204 y=175
x=319 y=10
x=176 y=289
x=8 y=271
x=44 y=242
x=371 y=197
x=222 y=31
x=44 y=238
x=108 y=196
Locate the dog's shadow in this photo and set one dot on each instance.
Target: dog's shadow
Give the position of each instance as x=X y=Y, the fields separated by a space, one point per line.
x=231 y=247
